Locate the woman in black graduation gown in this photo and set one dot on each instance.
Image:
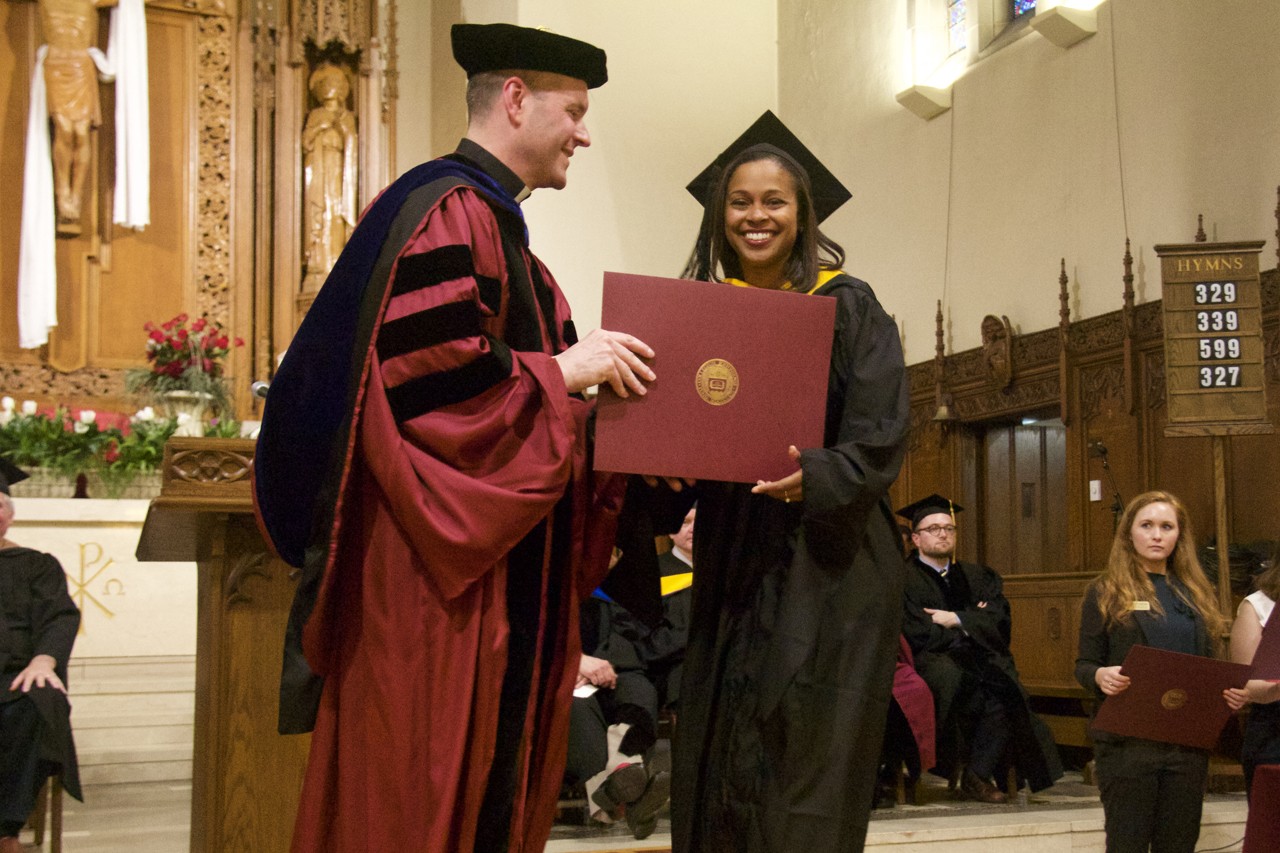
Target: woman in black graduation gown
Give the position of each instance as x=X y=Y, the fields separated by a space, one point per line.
x=797 y=599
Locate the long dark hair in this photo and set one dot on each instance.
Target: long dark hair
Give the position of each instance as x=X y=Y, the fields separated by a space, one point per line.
x=813 y=250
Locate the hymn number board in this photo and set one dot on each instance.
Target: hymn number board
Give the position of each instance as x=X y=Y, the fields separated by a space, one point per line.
x=1213 y=342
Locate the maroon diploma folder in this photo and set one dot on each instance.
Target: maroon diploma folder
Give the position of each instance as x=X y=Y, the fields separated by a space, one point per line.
x=1173 y=698
x=1266 y=658
x=742 y=374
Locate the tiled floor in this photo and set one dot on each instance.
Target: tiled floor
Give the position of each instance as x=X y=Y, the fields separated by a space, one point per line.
x=153 y=818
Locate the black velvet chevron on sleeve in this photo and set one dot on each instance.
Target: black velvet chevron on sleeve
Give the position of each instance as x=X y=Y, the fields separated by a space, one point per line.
x=452 y=321
x=424 y=394
x=447 y=263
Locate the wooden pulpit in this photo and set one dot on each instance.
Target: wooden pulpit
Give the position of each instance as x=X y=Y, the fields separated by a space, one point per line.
x=245 y=777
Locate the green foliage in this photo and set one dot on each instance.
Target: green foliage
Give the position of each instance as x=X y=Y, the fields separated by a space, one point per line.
x=222 y=428
x=152 y=387
x=70 y=445
x=139 y=450
x=55 y=441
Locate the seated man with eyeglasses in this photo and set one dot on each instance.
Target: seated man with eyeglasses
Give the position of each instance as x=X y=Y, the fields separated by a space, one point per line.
x=956 y=620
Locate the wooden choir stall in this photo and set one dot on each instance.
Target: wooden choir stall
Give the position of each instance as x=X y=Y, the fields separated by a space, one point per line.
x=245 y=777
x=1047 y=434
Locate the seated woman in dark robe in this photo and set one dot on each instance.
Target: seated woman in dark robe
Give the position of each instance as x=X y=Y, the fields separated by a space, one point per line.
x=38 y=623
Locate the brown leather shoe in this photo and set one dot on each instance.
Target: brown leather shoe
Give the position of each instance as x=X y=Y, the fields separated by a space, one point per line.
x=976 y=788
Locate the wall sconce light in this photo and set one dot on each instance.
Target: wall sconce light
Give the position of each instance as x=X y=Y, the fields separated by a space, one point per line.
x=925 y=101
x=1064 y=26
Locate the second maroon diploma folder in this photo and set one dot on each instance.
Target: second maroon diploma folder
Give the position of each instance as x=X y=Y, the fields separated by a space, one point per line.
x=741 y=374
x=1266 y=658
x=1173 y=698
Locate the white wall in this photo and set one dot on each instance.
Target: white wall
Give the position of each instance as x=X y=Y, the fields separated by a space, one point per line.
x=1036 y=159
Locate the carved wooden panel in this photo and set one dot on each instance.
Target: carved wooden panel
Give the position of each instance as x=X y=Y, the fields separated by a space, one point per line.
x=150 y=274
x=112 y=281
x=1024 y=502
x=1046 y=627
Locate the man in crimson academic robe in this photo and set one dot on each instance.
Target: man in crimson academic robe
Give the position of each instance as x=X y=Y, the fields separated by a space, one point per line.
x=423 y=459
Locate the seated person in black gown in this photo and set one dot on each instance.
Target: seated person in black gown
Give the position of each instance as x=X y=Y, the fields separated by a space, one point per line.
x=613 y=727
x=662 y=647
x=956 y=620
x=38 y=623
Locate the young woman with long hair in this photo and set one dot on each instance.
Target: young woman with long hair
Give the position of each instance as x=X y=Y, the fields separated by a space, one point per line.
x=1153 y=592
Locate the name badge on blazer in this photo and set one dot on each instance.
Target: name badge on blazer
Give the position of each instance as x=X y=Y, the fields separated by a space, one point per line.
x=1141 y=605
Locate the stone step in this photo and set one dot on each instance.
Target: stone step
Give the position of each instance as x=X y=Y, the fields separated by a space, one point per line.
x=122 y=752
x=122 y=736
x=118 y=705
x=134 y=719
x=129 y=685
x=149 y=771
x=181 y=668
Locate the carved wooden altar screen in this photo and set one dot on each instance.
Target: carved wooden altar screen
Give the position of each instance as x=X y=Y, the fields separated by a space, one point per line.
x=245 y=777
x=228 y=103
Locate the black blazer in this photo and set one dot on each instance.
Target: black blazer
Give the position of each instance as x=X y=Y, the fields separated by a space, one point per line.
x=1100 y=647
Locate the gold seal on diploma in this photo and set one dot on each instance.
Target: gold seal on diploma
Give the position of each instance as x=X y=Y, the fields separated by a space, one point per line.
x=716 y=381
x=1173 y=699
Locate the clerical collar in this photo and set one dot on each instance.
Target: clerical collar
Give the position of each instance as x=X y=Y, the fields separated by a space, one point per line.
x=680 y=555
x=497 y=170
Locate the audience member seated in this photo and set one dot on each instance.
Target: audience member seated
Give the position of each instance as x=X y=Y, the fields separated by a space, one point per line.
x=662 y=648
x=38 y=623
x=613 y=729
x=908 y=732
x=956 y=620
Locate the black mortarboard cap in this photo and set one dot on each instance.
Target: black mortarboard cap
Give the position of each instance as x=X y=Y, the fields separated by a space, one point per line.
x=10 y=474
x=928 y=506
x=828 y=192
x=498 y=47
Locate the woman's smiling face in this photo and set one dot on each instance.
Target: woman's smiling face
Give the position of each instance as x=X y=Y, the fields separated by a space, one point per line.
x=760 y=215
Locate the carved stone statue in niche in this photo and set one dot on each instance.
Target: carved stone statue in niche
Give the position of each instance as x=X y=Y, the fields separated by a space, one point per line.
x=997 y=350
x=329 y=162
x=71 y=83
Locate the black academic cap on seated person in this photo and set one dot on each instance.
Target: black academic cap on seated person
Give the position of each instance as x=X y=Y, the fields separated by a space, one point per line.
x=10 y=474
x=928 y=506
x=500 y=47
x=828 y=192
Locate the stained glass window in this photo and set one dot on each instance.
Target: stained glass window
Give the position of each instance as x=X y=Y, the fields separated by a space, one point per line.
x=1018 y=8
x=956 y=29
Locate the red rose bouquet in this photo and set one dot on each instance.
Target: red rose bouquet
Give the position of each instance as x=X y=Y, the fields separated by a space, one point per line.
x=184 y=355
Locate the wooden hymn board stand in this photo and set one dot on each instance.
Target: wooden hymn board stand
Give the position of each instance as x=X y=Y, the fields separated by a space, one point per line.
x=1213 y=356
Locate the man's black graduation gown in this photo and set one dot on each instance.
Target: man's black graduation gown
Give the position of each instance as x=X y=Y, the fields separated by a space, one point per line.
x=796 y=615
x=37 y=617
x=949 y=663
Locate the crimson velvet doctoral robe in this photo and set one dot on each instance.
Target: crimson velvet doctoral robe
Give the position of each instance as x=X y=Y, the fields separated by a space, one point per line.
x=444 y=620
